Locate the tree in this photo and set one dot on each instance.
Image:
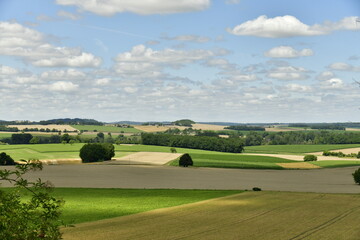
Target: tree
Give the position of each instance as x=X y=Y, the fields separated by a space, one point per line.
x=97 y=152
x=356 y=176
x=34 y=140
x=6 y=159
x=21 y=138
x=65 y=138
x=37 y=218
x=310 y=158
x=185 y=160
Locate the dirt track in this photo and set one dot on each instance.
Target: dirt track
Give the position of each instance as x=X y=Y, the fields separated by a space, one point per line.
x=126 y=176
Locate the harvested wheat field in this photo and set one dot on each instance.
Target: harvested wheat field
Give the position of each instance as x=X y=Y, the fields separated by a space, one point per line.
x=152 y=158
x=208 y=127
x=299 y=165
x=151 y=128
x=249 y=215
x=50 y=126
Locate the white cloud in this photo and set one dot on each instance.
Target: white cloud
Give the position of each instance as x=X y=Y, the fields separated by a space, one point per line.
x=62 y=86
x=189 y=38
x=333 y=83
x=19 y=41
x=297 y=88
x=102 y=81
x=143 y=7
x=344 y=67
x=68 y=15
x=232 y=1
x=6 y=70
x=325 y=75
x=288 y=52
x=63 y=74
x=290 y=26
x=287 y=73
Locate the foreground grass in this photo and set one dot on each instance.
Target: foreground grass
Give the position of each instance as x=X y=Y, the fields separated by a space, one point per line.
x=86 y=204
x=297 y=149
x=281 y=215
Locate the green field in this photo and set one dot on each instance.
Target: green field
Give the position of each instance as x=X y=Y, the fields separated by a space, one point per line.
x=92 y=204
x=297 y=149
x=235 y=161
x=95 y=128
x=249 y=215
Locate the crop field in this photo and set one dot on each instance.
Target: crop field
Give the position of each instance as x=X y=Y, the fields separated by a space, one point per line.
x=297 y=149
x=113 y=129
x=235 y=161
x=249 y=215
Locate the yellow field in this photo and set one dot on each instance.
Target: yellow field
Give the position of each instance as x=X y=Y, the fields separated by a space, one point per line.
x=250 y=215
x=50 y=126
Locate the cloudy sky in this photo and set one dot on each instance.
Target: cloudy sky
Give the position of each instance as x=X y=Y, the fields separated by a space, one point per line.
x=163 y=60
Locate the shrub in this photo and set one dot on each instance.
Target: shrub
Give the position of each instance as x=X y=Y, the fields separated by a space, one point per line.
x=310 y=158
x=110 y=150
x=358 y=155
x=185 y=160
x=173 y=150
x=93 y=152
x=6 y=159
x=256 y=189
x=356 y=176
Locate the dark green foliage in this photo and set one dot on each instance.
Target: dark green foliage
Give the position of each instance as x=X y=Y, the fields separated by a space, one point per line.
x=6 y=159
x=184 y=122
x=65 y=137
x=173 y=150
x=310 y=158
x=256 y=189
x=8 y=129
x=358 y=155
x=245 y=128
x=36 y=218
x=356 y=176
x=185 y=160
x=321 y=126
x=207 y=133
x=97 y=152
x=234 y=145
x=21 y=138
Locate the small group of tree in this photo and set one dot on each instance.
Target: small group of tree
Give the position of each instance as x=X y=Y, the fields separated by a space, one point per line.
x=245 y=128
x=8 y=129
x=6 y=159
x=152 y=124
x=309 y=158
x=36 y=218
x=196 y=142
x=320 y=126
x=97 y=152
x=184 y=122
x=341 y=154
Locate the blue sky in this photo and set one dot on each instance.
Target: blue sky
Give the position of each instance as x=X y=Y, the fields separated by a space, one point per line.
x=160 y=60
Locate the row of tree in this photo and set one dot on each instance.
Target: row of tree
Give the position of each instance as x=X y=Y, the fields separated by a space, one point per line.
x=245 y=128
x=195 y=142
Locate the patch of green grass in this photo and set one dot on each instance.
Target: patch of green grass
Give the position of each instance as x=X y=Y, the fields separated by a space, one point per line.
x=92 y=128
x=5 y=135
x=92 y=204
x=296 y=149
x=234 y=161
x=335 y=164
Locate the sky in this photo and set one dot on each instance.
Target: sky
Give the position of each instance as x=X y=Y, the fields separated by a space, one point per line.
x=245 y=61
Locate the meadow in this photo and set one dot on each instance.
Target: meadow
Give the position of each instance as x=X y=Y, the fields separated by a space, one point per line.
x=281 y=215
x=201 y=158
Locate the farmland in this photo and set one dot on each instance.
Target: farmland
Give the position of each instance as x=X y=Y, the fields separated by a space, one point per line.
x=112 y=129
x=281 y=215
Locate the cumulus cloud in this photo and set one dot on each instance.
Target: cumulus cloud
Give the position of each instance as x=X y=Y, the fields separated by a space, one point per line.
x=325 y=75
x=288 y=52
x=189 y=38
x=340 y=66
x=143 y=7
x=62 y=86
x=30 y=45
x=68 y=15
x=287 y=73
x=296 y=88
x=63 y=74
x=6 y=70
x=333 y=83
x=290 y=26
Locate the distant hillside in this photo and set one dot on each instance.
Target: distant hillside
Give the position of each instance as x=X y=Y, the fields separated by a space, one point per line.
x=67 y=121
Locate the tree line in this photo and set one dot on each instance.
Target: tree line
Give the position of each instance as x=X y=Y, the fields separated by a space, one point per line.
x=234 y=145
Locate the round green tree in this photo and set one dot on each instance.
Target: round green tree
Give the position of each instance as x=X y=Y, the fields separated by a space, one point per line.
x=356 y=176
x=185 y=160
x=92 y=152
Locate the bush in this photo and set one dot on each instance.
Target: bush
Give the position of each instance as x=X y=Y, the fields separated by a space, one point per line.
x=310 y=158
x=173 y=150
x=97 y=152
x=6 y=159
x=356 y=176
x=256 y=189
x=358 y=155
x=185 y=160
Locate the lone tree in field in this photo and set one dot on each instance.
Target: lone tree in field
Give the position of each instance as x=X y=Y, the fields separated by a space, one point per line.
x=308 y=158
x=356 y=176
x=185 y=160
x=36 y=218
x=97 y=152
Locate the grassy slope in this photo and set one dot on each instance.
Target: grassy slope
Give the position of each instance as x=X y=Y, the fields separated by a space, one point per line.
x=91 y=128
x=84 y=204
x=297 y=149
x=281 y=215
